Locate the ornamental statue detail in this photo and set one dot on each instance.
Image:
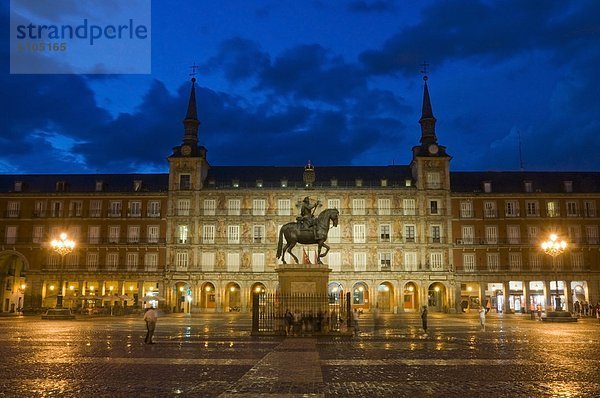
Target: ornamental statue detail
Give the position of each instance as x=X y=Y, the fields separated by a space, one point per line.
x=307 y=230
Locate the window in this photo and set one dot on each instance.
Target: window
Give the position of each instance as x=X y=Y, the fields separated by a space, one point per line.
x=135 y=209
x=433 y=207
x=11 y=235
x=154 y=209
x=384 y=207
x=133 y=234
x=115 y=209
x=182 y=234
x=284 y=183
x=56 y=209
x=574 y=233
x=409 y=233
x=591 y=232
x=511 y=208
x=568 y=186
x=112 y=261
x=409 y=207
x=433 y=180
x=18 y=186
x=183 y=207
x=513 y=234
x=153 y=233
x=334 y=204
x=466 y=209
x=533 y=233
x=469 y=262
x=410 y=261
x=37 y=235
x=259 y=207
x=515 y=261
x=233 y=234
x=334 y=182
x=334 y=234
x=491 y=234
x=75 y=208
x=208 y=234
x=358 y=207
x=99 y=186
x=207 y=261
x=383 y=182
x=436 y=261
x=589 y=208
x=552 y=208
x=234 y=207
x=535 y=261
x=572 y=209
x=258 y=233
x=151 y=261
x=436 y=234
x=53 y=261
x=384 y=232
x=284 y=207
x=132 y=261
x=233 y=262
x=258 y=262
x=181 y=261
x=493 y=261
x=113 y=233
x=385 y=261
x=487 y=186
x=532 y=208
x=137 y=185
x=94 y=234
x=13 y=209
x=360 y=261
x=358 y=182
x=467 y=234
x=577 y=261
x=489 y=209
x=210 y=207
x=185 y=181
x=92 y=261
x=39 y=209
x=72 y=260
x=359 y=235
x=528 y=186
x=334 y=260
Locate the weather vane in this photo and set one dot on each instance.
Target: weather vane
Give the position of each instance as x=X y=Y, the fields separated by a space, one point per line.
x=424 y=70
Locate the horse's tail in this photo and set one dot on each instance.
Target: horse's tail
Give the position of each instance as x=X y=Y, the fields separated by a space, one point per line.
x=280 y=243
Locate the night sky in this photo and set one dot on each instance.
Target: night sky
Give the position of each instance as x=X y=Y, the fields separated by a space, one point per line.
x=334 y=82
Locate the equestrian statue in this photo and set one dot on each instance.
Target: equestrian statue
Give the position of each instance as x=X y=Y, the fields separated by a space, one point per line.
x=307 y=230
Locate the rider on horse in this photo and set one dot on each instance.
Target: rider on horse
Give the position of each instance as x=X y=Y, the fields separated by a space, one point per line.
x=307 y=217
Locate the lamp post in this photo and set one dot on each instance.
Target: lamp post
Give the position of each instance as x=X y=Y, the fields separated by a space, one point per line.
x=62 y=246
x=554 y=247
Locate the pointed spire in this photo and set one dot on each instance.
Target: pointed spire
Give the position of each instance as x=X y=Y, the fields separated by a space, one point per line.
x=191 y=122
x=427 y=120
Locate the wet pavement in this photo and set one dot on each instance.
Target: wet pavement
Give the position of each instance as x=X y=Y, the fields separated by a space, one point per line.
x=213 y=355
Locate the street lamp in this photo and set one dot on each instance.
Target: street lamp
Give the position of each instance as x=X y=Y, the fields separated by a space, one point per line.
x=62 y=246
x=554 y=247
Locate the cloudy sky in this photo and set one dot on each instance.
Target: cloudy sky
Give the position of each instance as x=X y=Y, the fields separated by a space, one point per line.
x=337 y=82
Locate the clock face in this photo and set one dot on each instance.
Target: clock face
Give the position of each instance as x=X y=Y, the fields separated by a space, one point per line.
x=433 y=149
x=186 y=150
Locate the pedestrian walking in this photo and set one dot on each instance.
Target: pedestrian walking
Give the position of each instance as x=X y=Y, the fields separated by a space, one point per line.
x=424 y=318
x=355 y=318
x=289 y=321
x=482 y=318
x=150 y=317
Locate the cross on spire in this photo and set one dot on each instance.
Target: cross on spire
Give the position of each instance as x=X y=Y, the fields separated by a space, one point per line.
x=424 y=70
x=194 y=69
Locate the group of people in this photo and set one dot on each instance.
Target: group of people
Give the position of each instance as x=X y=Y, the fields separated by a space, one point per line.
x=583 y=308
x=300 y=323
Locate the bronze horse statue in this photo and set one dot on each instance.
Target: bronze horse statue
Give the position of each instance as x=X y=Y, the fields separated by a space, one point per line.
x=294 y=234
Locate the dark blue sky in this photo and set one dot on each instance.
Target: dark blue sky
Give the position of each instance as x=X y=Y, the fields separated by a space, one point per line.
x=336 y=82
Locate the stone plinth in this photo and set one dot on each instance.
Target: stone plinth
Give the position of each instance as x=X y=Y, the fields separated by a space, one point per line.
x=559 y=316
x=303 y=278
x=58 y=314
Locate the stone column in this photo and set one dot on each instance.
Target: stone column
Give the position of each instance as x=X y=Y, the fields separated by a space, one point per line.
x=506 y=293
x=141 y=293
x=569 y=296
x=548 y=295
x=525 y=302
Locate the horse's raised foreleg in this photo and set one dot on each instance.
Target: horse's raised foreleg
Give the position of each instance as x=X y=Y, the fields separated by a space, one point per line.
x=326 y=251
x=289 y=250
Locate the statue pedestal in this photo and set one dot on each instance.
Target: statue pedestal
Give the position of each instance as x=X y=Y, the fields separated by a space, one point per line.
x=303 y=279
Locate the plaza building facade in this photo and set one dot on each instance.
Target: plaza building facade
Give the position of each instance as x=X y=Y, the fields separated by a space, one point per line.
x=203 y=238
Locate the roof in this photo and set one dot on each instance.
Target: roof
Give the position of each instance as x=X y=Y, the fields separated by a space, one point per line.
x=514 y=181
x=84 y=182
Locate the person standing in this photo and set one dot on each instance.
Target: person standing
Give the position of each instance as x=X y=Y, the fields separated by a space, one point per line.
x=150 y=317
x=482 y=318
x=289 y=321
x=355 y=317
x=424 y=318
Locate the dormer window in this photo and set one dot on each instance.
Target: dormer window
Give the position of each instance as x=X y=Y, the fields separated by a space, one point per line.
x=61 y=186
x=259 y=183
x=211 y=182
x=334 y=182
x=235 y=183
x=384 y=182
x=487 y=186
x=568 y=186
x=99 y=186
x=528 y=186
x=284 y=183
x=359 y=182
x=18 y=186
x=137 y=185
x=408 y=183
